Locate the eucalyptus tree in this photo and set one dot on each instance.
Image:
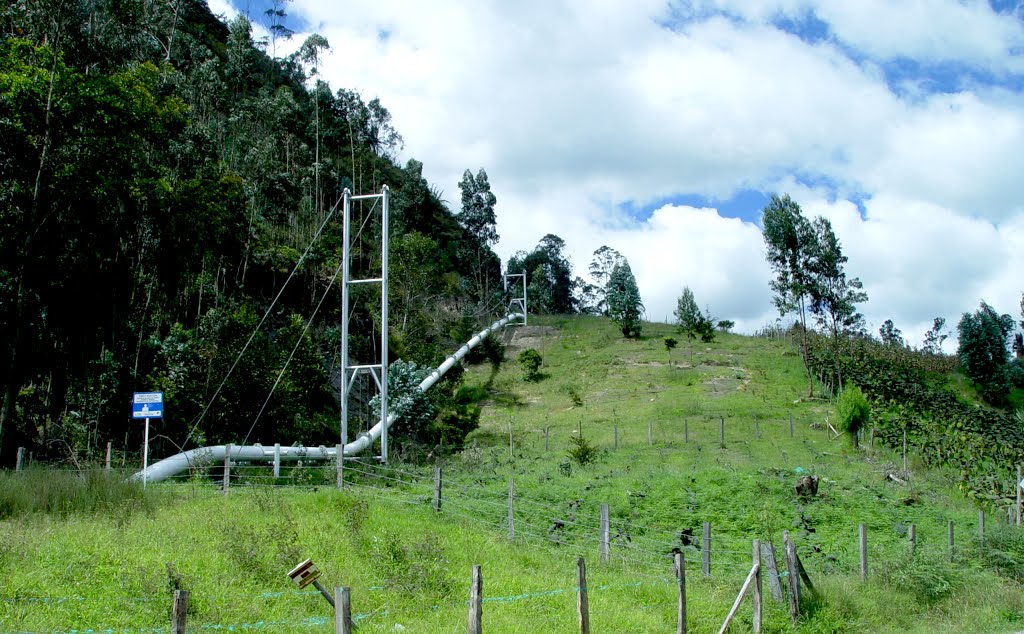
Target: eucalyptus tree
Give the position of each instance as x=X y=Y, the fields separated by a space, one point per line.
x=790 y=247
x=983 y=352
x=601 y=267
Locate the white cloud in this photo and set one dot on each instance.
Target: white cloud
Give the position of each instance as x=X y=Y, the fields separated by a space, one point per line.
x=574 y=109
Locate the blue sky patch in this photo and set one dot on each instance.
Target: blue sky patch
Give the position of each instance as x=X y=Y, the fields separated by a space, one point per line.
x=746 y=204
x=256 y=11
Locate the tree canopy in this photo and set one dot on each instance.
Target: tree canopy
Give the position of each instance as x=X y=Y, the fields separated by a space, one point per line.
x=624 y=304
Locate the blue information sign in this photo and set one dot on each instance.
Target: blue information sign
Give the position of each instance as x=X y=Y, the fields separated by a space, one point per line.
x=148 y=405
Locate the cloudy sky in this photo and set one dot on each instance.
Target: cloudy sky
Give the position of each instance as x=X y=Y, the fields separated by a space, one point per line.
x=661 y=129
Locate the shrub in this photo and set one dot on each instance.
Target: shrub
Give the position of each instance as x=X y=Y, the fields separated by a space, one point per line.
x=530 y=360
x=581 y=451
x=926 y=579
x=853 y=411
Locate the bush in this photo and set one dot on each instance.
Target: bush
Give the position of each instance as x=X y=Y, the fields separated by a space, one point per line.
x=530 y=360
x=581 y=451
x=926 y=579
x=853 y=411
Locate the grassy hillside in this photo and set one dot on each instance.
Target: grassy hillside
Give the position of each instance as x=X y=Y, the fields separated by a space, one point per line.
x=114 y=568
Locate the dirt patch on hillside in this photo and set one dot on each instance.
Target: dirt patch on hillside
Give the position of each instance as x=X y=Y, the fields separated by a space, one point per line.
x=530 y=337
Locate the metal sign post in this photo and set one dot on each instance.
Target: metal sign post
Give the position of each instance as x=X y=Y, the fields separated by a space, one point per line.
x=147 y=405
x=378 y=371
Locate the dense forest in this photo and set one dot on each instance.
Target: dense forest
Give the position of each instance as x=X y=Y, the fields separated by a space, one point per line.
x=163 y=174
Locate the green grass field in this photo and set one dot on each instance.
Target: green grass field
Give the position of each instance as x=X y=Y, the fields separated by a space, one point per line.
x=113 y=567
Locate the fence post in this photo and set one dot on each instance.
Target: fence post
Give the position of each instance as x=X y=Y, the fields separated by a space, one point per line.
x=545 y=439
x=511 y=521
x=792 y=577
x=340 y=476
x=981 y=526
x=721 y=430
x=650 y=441
x=179 y=611
x=949 y=538
x=605 y=533
x=772 y=568
x=616 y=437
x=107 y=467
x=757 y=428
x=581 y=597
x=19 y=464
x=706 y=550
x=343 y=611
x=791 y=424
x=510 y=454
x=756 y=597
x=1019 y=486
x=863 y=530
x=912 y=537
x=227 y=468
x=904 y=451
x=681 y=607
x=475 y=605
x=686 y=430
x=437 y=488
x=277 y=460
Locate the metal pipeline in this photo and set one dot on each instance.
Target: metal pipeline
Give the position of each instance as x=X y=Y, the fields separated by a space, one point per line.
x=207 y=456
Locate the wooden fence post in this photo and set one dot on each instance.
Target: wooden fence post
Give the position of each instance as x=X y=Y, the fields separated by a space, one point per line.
x=791 y=424
x=437 y=488
x=686 y=430
x=511 y=521
x=681 y=606
x=981 y=526
x=772 y=570
x=475 y=604
x=227 y=468
x=706 y=550
x=107 y=466
x=757 y=429
x=904 y=450
x=756 y=597
x=277 y=460
x=605 y=533
x=343 y=611
x=510 y=447
x=949 y=538
x=792 y=577
x=650 y=440
x=340 y=475
x=582 y=605
x=179 y=611
x=1019 y=486
x=721 y=431
x=19 y=464
x=863 y=541
x=912 y=537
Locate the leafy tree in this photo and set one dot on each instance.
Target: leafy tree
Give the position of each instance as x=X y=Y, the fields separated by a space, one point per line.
x=890 y=334
x=531 y=361
x=688 y=315
x=791 y=244
x=549 y=276
x=725 y=325
x=706 y=327
x=834 y=299
x=624 y=305
x=983 y=354
x=601 y=268
x=934 y=338
x=853 y=412
x=478 y=219
x=670 y=343
x=410 y=405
